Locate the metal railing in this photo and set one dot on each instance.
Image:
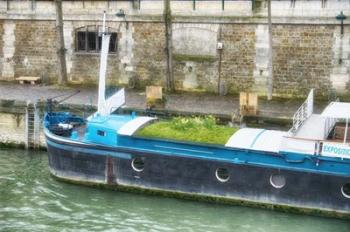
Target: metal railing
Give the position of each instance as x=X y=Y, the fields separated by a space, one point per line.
x=329 y=124
x=303 y=113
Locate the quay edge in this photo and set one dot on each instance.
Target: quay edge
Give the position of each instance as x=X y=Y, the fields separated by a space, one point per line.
x=17 y=107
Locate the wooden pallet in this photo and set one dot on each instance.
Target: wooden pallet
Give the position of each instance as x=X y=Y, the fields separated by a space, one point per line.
x=32 y=80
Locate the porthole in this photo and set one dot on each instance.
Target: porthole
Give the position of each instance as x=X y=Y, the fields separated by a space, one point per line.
x=277 y=181
x=137 y=164
x=345 y=190
x=222 y=174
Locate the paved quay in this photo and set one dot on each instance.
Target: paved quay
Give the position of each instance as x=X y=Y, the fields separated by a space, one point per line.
x=177 y=102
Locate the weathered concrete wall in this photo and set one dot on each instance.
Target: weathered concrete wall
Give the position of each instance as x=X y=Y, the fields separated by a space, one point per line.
x=195 y=56
x=300 y=8
x=12 y=129
x=1 y=45
x=8 y=49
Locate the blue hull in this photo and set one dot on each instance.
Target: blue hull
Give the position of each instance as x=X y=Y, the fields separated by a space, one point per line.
x=311 y=191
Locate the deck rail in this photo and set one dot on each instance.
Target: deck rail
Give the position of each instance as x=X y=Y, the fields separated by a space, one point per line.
x=303 y=113
x=329 y=124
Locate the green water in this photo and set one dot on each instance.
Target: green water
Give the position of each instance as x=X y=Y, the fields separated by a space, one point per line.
x=31 y=200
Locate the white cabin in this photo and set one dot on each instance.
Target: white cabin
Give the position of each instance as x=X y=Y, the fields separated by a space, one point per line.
x=324 y=134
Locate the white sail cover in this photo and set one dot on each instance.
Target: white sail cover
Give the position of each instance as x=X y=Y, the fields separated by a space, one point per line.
x=107 y=106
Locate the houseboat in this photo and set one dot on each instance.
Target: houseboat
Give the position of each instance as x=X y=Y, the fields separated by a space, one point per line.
x=305 y=169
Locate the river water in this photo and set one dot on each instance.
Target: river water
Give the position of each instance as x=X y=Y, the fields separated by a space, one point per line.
x=31 y=200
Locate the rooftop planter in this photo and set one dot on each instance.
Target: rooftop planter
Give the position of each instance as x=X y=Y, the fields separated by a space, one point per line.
x=192 y=129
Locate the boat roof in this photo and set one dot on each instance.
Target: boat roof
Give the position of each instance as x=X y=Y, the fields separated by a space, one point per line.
x=339 y=110
x=256 y=139
x=132 y=126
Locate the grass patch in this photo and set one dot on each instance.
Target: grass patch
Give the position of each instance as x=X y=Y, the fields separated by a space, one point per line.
x=193 y=129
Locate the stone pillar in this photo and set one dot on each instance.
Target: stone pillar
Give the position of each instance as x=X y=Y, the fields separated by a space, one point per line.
x=261 y=73
x=125 y=47
x=8 y=49
x=341 y=60
x=68 y=33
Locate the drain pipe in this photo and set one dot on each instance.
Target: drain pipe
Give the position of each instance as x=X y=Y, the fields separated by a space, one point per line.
x=220 y=47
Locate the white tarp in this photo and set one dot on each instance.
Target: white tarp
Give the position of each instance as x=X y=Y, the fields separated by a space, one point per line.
x=256 y=139
x=132 y=126
x=340 y=110
x=298 y=145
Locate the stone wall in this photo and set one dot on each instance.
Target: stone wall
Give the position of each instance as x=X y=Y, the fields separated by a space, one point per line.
x=35 y=49
x=309 y=52
x=1 y=45
x=149 y=53
x=238 y=57
x=302 y=58
x=85 y=68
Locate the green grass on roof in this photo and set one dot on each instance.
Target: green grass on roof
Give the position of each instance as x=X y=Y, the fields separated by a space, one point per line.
x=193 y=129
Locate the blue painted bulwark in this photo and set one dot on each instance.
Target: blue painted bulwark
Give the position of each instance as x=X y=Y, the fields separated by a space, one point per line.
x=93 y=152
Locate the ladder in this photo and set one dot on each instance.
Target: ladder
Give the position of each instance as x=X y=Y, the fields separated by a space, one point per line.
x=32 y=126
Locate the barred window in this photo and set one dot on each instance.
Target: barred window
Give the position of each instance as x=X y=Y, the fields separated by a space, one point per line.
x=88 y=39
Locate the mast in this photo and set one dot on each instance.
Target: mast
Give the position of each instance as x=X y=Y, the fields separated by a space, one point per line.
x=101 y=107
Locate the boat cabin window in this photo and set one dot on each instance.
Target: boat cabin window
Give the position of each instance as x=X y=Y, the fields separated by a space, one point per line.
x=101 y=133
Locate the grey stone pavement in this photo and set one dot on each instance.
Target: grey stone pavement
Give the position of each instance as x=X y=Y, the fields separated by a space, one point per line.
x=181 y=102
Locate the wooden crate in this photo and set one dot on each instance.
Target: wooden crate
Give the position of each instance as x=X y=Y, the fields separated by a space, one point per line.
x=339 y=132
x=154 y=97
x=31 y=80
x=248 y=103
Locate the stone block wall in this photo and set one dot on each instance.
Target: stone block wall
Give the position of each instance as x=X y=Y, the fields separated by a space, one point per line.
x=308 y=52
x=149 y=53
x=85 y=68
x=35 y=49
x=238 y=56
x=302 y=58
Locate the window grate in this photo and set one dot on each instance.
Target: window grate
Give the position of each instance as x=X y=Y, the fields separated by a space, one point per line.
x=88 y=39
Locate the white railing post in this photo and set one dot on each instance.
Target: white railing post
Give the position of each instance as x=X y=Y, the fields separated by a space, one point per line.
x=310 y=103
x=304 y=112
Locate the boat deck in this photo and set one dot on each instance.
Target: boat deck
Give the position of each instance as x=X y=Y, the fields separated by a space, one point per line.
x=313 y=128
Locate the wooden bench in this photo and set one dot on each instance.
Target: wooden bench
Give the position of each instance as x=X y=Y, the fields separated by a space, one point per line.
x=31 y=80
